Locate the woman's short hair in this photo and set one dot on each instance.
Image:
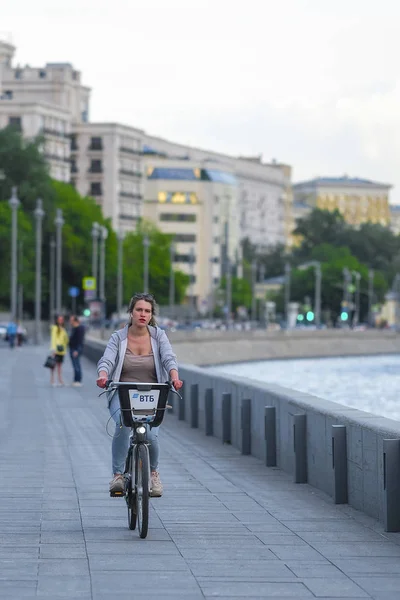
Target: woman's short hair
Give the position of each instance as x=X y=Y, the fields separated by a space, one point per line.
x=147 y=298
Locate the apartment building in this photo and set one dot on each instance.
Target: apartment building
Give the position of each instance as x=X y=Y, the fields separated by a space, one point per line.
x=197 y=203
x=106 y=163
x=44 y=101
x=264 y=189
x=358 y=200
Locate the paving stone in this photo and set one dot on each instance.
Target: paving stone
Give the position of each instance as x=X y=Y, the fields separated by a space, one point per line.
x=322 y=587
x=374 y=585
x=249 y=589
x=378 y=565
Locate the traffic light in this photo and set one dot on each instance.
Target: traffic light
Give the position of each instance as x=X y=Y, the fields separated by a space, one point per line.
x=310 y=316
x=86 y=312
x=344 y=315
x=300 y=318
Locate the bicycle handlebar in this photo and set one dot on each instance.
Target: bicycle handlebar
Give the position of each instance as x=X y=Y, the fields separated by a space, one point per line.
x=110 y=384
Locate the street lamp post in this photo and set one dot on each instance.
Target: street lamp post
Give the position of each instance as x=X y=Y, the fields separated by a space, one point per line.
x=261 y=304
x=120 y=272
x=317 y=303
x=146 y=244
x=317 y=289
x=39 y=214
x=52 y=278
x=356 y=320
x=20 y=302
x=14 y=203
x=287 y=292
x=171 y=279
x=192 y=298
x=102 y=273
x=253 y=289
x=59 y=222
x=228 y=290
x=95 y=242
x=370 y=296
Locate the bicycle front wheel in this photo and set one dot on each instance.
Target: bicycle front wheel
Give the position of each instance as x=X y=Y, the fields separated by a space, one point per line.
x=129 y=491
x=142 y=489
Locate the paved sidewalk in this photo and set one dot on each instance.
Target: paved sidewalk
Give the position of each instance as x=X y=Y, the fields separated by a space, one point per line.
x=227 y=527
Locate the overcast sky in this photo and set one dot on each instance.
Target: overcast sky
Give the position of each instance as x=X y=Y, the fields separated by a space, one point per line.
x=313 y=83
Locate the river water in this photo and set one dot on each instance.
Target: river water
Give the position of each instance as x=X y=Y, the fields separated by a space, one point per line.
x=370 y=383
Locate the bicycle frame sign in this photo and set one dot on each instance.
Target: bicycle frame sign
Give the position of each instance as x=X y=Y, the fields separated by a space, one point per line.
x=143 y=400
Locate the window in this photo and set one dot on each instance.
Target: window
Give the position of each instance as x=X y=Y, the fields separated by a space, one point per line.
x=74 y=168
x=185 y=237
x=178 y=217
x=8 y=95
x=184 y=258
x=96 y=189
x=96 y=143
x=217 y=240
x=95 y=166
x=192 y=278
x=216 y=219
x=216 y=280
x=18 y=74
x=15 y=122
x=42 y=74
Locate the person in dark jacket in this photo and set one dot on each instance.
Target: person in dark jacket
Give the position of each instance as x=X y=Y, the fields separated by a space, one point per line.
x=76 y=341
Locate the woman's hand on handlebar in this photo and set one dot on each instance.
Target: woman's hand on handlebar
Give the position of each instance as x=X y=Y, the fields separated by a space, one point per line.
x=177 y=384
x=101 y=382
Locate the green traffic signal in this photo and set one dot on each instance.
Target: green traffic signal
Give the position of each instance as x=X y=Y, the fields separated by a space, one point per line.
x=310 y=316
x=344 y=316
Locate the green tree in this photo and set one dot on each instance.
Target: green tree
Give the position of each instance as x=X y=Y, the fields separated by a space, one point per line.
x=333 y=261
x=241 y=293
x=23 y=165
x=159 y=265
x=320 y=227
x=26 y=252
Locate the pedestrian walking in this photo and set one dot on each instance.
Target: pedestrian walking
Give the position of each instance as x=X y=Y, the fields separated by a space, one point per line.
x=76 y=341
x=20 y=334
x=11 y=333
x=139 y=352
x=59 y=343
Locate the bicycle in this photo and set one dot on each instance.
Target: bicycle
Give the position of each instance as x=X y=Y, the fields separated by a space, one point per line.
x=142 y=405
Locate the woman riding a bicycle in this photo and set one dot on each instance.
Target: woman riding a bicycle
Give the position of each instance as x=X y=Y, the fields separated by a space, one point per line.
x=140 y=352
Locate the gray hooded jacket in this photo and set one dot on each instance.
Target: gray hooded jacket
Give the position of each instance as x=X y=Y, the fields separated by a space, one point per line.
x=113 y=358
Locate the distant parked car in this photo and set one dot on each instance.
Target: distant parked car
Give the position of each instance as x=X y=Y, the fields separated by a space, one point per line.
x=3 y=331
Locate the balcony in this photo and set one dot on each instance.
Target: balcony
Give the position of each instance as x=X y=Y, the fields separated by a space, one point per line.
x=130 y=173
x=131 y=195
x=49 y=156
x=127 y=217
x=95 y=170
x=130 y=150
x=54 y=132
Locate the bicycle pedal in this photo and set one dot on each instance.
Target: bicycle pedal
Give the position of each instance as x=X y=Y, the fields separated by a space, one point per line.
x=117 y=494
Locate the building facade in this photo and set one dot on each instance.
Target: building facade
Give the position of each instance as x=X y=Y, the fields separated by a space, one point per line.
x=197 y=204
x=107 y=164
x=264 y=197
x=43 y=101
x=358 y=200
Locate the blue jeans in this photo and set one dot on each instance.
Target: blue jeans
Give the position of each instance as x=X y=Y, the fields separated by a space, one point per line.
x=11 y=339
x=120 y=442
x=76 y=364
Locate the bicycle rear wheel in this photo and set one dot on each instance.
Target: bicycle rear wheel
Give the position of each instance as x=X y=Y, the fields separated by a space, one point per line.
x=142 y=489
x=129 y=491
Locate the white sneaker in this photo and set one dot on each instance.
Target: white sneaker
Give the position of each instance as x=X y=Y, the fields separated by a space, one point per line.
x=76 y=384
x=156 y=486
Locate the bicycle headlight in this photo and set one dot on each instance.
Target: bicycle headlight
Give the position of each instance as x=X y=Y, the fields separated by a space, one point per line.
x=141 y=430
